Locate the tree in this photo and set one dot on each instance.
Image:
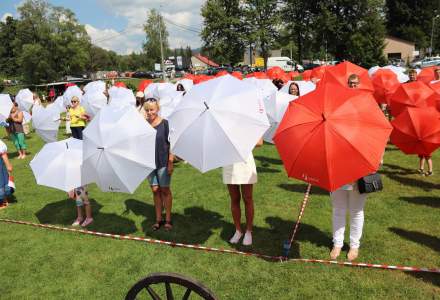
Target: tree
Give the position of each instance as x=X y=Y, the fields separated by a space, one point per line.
x=262 y=24
x=222 y=32
x=412 y=20
x=156 y=31
x=8 y=61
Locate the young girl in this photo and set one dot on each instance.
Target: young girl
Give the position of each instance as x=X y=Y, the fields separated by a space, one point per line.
x=160 y=178
x=78 y=118
x=16 y=130
x=422 y=160
x=81 y=197
x=240 y=178
x=5 y=170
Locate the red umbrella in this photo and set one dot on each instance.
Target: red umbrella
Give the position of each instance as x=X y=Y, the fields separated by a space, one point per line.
x=237 y=75
x=189 y=76
x=411 y=94
x=435 y=86
x=293 y=75
x=417 y=131
x=385 y=83
x=332 y=136
x=221 y=73
x=143 y=84
x=69 y=84
x=434 y=101
x=339 y=74
x=201 y=78
x=427 y=74
x=275 y=72
x=318 y=72
x=120 y=84
x=306 y=75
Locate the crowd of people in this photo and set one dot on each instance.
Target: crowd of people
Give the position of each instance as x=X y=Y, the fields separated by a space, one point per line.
x=239 y=178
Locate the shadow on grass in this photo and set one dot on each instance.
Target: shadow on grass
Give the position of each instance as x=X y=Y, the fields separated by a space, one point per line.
x=418 y=237
x=427 y=277
x=301 y=188
x=397 y=170
x=427 y=201
x=266 y=161
x=267 y=170
x=64 y=212
x=425 y=185
x=195 y=226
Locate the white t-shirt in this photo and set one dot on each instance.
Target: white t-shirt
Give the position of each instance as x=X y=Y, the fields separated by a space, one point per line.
x=3 y=147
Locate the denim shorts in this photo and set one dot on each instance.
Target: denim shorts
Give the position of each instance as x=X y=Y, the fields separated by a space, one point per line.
x=160 y=177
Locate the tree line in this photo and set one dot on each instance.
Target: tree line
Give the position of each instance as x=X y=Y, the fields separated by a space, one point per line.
x=337 y=29
x=46 y=43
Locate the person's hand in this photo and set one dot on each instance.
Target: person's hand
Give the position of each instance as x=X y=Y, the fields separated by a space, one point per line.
x=170 y=167
x=9 y=169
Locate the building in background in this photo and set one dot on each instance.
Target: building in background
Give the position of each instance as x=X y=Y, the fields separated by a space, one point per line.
x=200 y=62
x=396 y=48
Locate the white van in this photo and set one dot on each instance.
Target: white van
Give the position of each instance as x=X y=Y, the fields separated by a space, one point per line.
x=283 y=62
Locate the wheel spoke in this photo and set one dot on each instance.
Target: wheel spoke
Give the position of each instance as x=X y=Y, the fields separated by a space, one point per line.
x=152 y=293
x=186 y=296
x=169 y=291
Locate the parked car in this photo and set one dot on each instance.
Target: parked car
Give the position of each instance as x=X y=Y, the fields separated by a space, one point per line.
x=310 y=66
x=427 y=62
x=142 y=74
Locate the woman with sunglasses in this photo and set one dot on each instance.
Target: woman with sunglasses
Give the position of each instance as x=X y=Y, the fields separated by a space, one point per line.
x=160 y=178
x=78 y=118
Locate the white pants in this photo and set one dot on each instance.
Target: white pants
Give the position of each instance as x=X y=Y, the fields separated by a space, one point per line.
x=353 y=201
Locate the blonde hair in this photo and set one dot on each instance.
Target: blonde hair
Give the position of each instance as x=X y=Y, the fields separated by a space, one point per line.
x=75 y=98
x=150 y=103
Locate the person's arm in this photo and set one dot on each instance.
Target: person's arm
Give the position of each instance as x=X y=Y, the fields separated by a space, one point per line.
x=259 y=143
x=7 y=162
x=18 y=117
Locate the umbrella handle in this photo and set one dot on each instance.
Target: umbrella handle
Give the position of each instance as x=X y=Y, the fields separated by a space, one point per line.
x=288 y=244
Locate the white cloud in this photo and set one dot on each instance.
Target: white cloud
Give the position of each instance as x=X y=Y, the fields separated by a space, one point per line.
x=184 y=13
x=3 y=19
x=110 y=39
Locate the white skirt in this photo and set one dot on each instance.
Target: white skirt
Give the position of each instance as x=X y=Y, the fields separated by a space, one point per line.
x=241 y=173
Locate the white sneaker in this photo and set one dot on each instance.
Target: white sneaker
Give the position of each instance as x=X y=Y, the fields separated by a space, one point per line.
x=77 y=222
x=236 y=237
x=247 y=241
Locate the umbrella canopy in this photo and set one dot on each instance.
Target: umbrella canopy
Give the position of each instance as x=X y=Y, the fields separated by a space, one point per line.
x=434 y=101
x=95 y=86
x=58 y=164
x=411 y=94
x=70 y=92
x=265 y=86
x=187 y=84
x=27 y=117
x=218 y=123
x=417 y=131
x=306 y=75
x=385 y=84
x=426 y=75
x=143 y=84
x=156 y=90
x=46 y=121
x=305 y=87
x=259 y=75
x=5 y=107
x=275 y=72
x=120 y=96
x=276 y=106
x=237 y=75
x=59 y=104
x=399 y=71
x=120 y=84
x=435 y=86
x=339 y=74
x=168 y=103
x=373 y=70
x=332 y=136
x=118 y=149
x=24 y=99
x=93 y=101
x=318 y=72
x=221 y=73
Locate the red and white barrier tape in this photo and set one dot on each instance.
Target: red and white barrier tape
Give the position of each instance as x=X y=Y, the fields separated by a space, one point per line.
x=221 y=250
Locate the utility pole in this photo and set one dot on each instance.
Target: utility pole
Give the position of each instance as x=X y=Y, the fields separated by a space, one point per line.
x=432 y=33
x=161 y=47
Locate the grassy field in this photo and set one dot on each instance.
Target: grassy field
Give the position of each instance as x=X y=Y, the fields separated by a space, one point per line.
x=401 y=228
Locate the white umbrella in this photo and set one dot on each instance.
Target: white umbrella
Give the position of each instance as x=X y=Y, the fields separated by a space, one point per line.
x=46 y=122
x=58 y=165
x=305 y=87
x=93 y=101
x=58 y=104
x=276 y=107
x=95 y=86
x=120 y=96
x=399 y=71
x=70 y=92
x=264 y=86
x=169 y=102
x=373 y=70
x=24 y=99
x=156 y=90
x=187 y=84
x=218 y=123
x=5 y=107
x=118 y=149
x=27 y=117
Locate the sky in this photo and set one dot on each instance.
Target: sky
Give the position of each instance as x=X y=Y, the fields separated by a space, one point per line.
x=118 y=24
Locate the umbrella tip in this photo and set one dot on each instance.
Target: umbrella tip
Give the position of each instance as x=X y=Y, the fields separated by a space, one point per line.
x=67 y=145
x=206 y=105
x=324 y=118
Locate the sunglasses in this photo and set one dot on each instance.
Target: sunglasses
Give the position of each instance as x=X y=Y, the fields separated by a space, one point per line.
x=151 y=100
x=73 y=101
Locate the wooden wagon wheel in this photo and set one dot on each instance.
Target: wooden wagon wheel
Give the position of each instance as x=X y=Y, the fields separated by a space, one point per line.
x=146 y=284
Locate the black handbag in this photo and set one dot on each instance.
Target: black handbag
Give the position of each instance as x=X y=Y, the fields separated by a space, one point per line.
x=370 y=183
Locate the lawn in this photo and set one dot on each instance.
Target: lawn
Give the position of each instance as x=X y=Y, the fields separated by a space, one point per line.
x=401 y=228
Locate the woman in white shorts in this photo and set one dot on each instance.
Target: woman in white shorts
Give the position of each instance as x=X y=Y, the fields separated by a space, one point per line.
x=240 y=178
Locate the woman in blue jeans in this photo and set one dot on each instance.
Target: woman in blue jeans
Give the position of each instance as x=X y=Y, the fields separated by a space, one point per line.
x=5 y=170
x=160 y=178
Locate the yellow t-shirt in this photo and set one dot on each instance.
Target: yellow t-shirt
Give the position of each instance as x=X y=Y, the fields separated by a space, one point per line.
x=75 y=120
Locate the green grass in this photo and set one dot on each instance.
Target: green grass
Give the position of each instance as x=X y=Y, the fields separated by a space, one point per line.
x=401 y=228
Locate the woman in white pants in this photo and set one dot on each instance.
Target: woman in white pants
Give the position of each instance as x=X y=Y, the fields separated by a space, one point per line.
x=347 y=198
